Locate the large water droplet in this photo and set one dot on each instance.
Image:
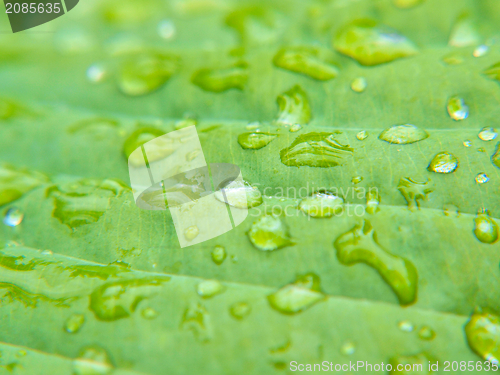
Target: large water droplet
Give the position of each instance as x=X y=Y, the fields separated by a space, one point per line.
x=294 y=107
x=487 y=134
x=240 y=310
x=13 y=217
x=483 y=335
x=218 y=254
x=371 y=43
x=240 y=194
x=311 y=61
x=219 y=80
x=298 y=296
x=315 y=150
x=322 y=204
x=92 y=360
x=269 y=233
x=482 y=178
x=209 y=288
x=444 y=162
x=413 y=191
x=485 y=228
x=403 y=134
x=141 y=136
x=145 y=73
x=464 y=32
x=457 y=109
x=359 y=84
x=255 y=141
x=74 y=323
x=359 y=245
x=190 y=233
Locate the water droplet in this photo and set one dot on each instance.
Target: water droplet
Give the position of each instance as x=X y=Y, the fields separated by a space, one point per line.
x=15 y=182
x=240 y=310
x=481 y=149
x=403 y=134
x=96 y=73
x=406 y=326
x=322 y=204
x=74 y=323
x=359 y=245
x=413 y=191
x=485 y=228
x=239 y=194
x=362 y=135
x=219 y=80
x=371 y=43
x=426 y=333
x=255 y=141
x=149 y=313
x=348 y=348
x=414 y=364
x=197 y=319
x=315 y=150
x=298 y=296
x=487 y=134
x=480 y=50
x=295 y=128
x=294 y=107
x=13 y=217
x=92 y=360
x=407 y=4
x=311 y=61
x=145 y=73
x=467 y=143
x=372 y=201
x=119 y=299
x=191 y=232
x=482 y=178
x=493 y=72
x=166 y=29
x=453 y=59
x=218 y=255
x=269 y=233
x=483 y=335
x=444 y=162
x=359 y=84
x=457 y=109
x=356 y=179
x=138 y=138
x=47 y=252
x=209 y=288
x=464 y=32
x=253 y=126
x=495 y=158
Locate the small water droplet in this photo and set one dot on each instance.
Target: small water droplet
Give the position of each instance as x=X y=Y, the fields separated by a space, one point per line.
x=487 y=134
x=191 y=232
x=218 y=254
x=485 y=228
x=255 y=141
x=294 y=107
x=467 y=143
x=322 y=204
x=481 y=149
x=74 y=323
x=47 y=252
x=403 y=134
x=480 y=50
x=453 y=59
x=209 y=288
x=482 y=178
x=166 y=29
x=348 y=348
x=457 y=109
x=362 y=135
x=372 y=202
x=426 y=333
x=359 y=84
x=222 y=79
x=356 y=179
x=253 y=126
x=406 y=326
x=298 y=296
x=483 y=335
x=240 y=310
x=13 y=217
x=149 y=313
x=269 y=233
x=96 y=73
x=444 y=162
x=92 y=360
x=295 y=128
